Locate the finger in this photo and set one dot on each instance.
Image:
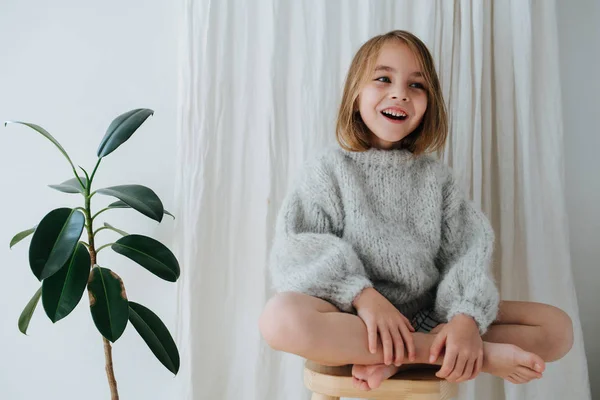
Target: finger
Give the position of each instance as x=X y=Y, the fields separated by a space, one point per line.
x=408 y=323
x=398 y=348
x=388 y=345
x=448 y=364
x=459 y=368
x=466 y=375
x=511 y=379
x=409 y=341
x=372 y=335
x=436 y=347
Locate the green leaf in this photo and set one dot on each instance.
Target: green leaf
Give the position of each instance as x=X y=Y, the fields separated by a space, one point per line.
x=115 y=229
x=121 y=129
x=108 y=303
x=21 y=235
x=150 y=254
x=71 y=186
x=138 y=197
x=62 y=291
x=28 y=311
x=120 y=204
x=54 y=240
x=156 y=335
x=45 y=134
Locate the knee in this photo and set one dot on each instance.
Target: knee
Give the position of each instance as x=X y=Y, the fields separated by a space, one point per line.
x=283 y=323
x=559 y=334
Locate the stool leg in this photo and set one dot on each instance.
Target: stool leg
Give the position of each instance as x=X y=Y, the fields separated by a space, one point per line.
x=319 y=396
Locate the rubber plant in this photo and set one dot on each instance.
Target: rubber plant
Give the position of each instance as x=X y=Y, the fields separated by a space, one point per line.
x=66 y=265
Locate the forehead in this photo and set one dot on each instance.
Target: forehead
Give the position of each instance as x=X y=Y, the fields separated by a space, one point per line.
x=399 y=56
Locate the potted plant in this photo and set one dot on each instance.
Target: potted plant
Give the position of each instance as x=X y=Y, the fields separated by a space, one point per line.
x=66 y=265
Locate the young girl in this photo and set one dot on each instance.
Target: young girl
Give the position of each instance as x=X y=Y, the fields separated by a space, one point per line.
x=379 y=258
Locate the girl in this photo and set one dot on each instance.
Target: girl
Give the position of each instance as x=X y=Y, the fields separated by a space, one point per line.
x=379 y=258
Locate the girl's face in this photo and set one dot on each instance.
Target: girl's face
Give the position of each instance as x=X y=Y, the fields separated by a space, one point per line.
x=394 y=99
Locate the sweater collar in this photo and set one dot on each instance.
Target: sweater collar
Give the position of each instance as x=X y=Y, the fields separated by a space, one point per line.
x=379 y=157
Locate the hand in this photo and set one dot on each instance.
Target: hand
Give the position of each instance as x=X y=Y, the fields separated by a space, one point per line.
x=382 y=317
x=464 y=349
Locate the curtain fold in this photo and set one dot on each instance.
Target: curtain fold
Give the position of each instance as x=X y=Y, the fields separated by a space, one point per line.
x=260 y=83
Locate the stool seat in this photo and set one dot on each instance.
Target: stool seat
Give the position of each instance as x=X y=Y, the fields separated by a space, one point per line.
x=417 y=383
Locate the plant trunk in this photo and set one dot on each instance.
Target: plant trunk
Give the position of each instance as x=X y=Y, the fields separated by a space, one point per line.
x=110 y=373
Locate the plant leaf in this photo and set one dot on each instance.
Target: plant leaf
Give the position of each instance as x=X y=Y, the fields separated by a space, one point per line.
x=108 y=303
x=138 y=197
x=21 y=235
x=156 y=335
x=150 y=254
x=115 y=229
x=27 y=313
x=62 y=291
x=120 y=204
x=45 y=134
x=54 y=240
x=71 y=186
x=121 y=129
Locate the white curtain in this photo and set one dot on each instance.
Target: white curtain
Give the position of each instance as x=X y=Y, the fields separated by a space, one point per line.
x=260 y=83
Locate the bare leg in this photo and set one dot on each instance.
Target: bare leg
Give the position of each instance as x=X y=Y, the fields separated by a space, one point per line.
x=535 y=327
x=316 y=330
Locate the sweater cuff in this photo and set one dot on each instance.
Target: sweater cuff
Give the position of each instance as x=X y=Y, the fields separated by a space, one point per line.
x=483 y=318
x=347 y=290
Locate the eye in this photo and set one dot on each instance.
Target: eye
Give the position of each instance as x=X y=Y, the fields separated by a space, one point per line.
x=387 y=80
x=417 y=85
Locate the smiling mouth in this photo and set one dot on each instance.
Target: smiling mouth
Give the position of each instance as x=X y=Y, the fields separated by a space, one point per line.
x=394 y=116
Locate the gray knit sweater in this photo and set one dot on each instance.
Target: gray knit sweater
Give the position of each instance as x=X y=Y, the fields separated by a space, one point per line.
x=388 y=220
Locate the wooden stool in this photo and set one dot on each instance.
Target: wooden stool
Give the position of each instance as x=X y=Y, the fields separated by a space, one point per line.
x=331 y=383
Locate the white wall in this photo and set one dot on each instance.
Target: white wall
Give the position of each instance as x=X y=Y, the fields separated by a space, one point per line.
x=579 y=40
x=71 y=67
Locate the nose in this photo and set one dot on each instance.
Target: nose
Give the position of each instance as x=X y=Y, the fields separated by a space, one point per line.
x=399 y=93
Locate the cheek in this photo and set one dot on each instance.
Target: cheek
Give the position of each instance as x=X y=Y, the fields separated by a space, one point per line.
x=368 y=97
x=421 y=105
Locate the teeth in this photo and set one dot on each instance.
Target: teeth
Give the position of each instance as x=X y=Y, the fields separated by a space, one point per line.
x=395 y=114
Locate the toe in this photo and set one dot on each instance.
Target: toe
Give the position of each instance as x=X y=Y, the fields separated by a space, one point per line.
x=532 y=361
x=524 y=378
x=364 y=386
x=528 y=373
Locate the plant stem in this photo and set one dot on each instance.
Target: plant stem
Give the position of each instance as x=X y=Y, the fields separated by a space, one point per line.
x=100 y=212
x=104 y=246
x=110 y=373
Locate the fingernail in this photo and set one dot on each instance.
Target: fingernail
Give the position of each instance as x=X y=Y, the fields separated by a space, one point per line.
x=431 y=359
x=538 y=367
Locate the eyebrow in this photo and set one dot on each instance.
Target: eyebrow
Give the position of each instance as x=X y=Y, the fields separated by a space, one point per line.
x=393 y=70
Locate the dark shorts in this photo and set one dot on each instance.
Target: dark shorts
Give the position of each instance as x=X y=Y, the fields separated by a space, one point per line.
x=424 y=321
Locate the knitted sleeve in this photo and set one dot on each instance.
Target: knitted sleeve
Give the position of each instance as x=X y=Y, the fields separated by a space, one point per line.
x=308 y=254
x=467 y=285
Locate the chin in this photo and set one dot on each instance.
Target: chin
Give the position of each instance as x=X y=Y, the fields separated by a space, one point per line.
x=391 y=139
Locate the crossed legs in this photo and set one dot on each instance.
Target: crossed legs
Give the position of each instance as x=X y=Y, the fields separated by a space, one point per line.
x=524 y=334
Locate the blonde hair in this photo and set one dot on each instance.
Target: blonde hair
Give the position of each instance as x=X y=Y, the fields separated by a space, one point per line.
x=352 y=133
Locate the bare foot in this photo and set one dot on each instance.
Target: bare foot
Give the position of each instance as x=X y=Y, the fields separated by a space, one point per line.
x=511 y=362
x=368 y=377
